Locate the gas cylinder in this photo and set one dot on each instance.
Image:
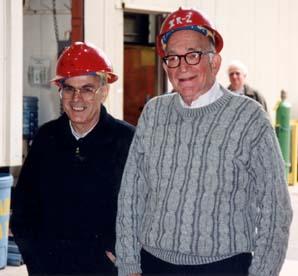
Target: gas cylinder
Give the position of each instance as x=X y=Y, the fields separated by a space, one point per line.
x=283 y=129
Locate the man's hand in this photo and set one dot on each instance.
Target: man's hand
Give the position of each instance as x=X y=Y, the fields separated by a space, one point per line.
x=111 y=256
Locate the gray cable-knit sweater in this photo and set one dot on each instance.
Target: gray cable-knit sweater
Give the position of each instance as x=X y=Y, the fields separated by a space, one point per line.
x=202 y=185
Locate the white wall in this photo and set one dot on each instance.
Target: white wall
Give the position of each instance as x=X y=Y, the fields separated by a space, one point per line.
x=11 y=82
x=263 y=35
x=104 y=28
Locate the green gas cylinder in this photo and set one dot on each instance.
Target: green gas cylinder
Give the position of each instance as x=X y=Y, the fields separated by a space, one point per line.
x=283 y=129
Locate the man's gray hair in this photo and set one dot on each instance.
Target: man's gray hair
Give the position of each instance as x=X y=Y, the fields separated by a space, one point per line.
x=212 y=48
x=102 y=78
x=237 y=64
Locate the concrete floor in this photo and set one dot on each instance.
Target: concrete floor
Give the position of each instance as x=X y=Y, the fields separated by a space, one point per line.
x=290 y=267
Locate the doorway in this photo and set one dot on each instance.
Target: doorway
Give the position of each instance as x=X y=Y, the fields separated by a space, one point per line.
x=143 y=74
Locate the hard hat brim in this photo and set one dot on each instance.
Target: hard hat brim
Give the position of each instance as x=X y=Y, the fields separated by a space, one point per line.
x=111 y=77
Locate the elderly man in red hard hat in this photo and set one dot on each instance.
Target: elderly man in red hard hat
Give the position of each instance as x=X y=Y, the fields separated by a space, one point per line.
x=204 y=189
x=64 y=206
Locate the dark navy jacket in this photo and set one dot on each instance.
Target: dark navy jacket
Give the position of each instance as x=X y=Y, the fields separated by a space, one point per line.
x=65 y=201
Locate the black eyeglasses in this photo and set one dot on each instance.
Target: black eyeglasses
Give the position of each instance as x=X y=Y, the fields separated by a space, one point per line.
x=191 y=58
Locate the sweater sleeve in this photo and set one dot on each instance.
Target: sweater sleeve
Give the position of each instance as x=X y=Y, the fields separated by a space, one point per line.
x=131 y=204
x=275 y=212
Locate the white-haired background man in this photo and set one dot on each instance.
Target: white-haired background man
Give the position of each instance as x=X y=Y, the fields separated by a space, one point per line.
x=237 y=72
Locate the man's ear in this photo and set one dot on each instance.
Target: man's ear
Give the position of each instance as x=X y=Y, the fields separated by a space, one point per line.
x=104 y=93
x=165 y=67
x=215 y=64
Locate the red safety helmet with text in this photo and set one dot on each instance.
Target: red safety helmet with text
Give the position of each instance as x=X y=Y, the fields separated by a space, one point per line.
x=186 y=19
x=83 y=59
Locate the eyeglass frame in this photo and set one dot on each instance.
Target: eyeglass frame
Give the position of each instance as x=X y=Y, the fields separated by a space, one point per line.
x=165 y=58
x=78 y=90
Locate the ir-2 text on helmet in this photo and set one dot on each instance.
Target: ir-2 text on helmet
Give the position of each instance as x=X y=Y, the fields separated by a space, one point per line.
x=186 y=19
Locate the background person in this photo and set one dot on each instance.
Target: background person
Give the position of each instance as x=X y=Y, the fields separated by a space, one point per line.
x=237 y=73
x=204 y=171
x=64 y=205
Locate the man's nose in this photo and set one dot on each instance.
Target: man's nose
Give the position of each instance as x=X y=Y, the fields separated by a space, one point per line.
x=76 y=94
x=183 y=64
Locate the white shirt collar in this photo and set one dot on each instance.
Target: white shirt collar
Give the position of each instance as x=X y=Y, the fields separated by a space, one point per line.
x=209 y=97
x=78 y=135
x=240 y=91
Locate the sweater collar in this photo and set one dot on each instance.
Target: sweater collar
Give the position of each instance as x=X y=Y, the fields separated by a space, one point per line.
x=192 y=112
x=207 y=98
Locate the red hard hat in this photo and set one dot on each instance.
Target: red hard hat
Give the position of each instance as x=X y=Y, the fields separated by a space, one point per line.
x=82 y=59
x=186 y=19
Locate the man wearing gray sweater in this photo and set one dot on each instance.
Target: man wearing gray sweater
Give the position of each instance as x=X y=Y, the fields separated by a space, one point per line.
x=204 y=190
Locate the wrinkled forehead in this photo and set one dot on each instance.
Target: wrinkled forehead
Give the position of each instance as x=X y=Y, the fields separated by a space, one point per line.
x=81 y=80
x=188 y=39
x=86 y=78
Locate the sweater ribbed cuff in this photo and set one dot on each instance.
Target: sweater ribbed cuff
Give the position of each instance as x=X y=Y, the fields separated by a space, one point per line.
x=126 y=269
